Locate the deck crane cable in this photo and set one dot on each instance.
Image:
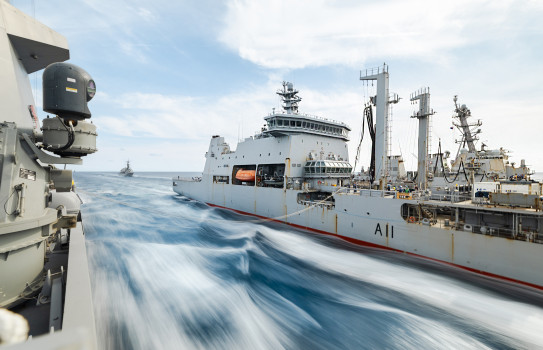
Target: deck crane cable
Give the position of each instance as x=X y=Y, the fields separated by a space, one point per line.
x=359 y=146
x=365 y=93
x=367 y=118
x=458 y=173
x=440 y=158
x=368 y=112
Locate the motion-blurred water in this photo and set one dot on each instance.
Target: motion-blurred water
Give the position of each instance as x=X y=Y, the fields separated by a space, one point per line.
x=171 y=273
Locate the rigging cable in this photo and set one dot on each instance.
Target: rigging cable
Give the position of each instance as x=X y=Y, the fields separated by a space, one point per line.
x=368 y=113
x=440 y=158
x=458 y=173
x=359 y=145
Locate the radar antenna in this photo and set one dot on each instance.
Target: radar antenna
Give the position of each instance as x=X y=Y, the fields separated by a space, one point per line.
x=468 y=130
x=289 y=97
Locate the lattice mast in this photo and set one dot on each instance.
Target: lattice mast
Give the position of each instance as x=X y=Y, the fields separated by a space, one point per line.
x=289 y=98
x=468 y=130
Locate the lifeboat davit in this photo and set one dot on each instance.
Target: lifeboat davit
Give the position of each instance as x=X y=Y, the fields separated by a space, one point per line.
x=246 y=175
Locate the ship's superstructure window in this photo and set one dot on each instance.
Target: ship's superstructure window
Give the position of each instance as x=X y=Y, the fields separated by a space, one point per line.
x=291 y=121
x=327 y=168
x=282 y=124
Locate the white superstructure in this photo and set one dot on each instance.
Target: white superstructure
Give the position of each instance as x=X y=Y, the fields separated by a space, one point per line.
x=297 y=171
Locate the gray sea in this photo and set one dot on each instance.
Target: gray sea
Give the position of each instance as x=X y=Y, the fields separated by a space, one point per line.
x=169 y=272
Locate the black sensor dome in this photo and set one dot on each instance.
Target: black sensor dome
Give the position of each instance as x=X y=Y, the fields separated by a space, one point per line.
x=66 y=90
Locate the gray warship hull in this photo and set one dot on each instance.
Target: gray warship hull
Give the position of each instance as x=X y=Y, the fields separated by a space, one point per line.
x=372 y=218
x=44 y=275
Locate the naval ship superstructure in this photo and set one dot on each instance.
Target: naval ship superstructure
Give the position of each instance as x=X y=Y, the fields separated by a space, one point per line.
x=45 y=291
x=127 y=171
x=297 y=171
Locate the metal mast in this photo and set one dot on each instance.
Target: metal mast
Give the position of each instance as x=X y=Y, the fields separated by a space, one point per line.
x=382 y=101
x=423 y=115
x=469 y=134
x=290 y=100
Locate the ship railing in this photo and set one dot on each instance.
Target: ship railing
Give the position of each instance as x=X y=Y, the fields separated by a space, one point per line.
x=188 y=179
x=298 y=128
x=449 y=197
x=311 y=116
x=318 y=203
x=365 y=192
x=392 y=194
x=521 y=235
x=374 y=71
x=503 y=232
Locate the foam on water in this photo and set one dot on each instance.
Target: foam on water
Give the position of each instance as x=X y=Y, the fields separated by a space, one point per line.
x=170 y=273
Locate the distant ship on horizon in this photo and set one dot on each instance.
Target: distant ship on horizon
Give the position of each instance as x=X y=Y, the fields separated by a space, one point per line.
x=127 y=171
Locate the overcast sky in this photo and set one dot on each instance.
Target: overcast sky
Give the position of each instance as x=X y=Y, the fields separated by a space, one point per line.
x=170 y=74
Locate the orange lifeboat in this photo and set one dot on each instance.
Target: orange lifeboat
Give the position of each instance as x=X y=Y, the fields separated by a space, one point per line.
x=245 y=175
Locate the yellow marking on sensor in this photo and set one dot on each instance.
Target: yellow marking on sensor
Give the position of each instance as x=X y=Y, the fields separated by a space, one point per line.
x=71 y=89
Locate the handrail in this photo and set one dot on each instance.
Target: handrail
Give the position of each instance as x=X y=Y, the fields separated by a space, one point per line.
x=316 y=117
x=186 y=179
x=502 y=232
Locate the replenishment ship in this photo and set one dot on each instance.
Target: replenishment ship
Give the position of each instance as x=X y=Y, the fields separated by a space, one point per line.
x=480 y=213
